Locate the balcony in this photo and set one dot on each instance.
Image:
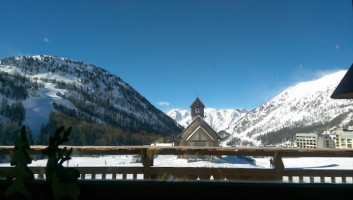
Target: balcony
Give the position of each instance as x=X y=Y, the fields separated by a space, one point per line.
x=149 y=180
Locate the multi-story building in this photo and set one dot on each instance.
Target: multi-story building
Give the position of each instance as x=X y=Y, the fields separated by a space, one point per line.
x=306 y=140
x=344 y=140
x=326 y=141
x=315 y=140
x=340 y=139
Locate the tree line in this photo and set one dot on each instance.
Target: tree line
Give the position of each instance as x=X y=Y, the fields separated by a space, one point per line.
x=85 y=133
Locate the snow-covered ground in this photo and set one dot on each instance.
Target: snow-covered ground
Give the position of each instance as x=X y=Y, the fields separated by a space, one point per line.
x=224 y=162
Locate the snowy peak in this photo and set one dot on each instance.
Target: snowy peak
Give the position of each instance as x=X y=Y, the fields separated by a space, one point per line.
x=310 y=89
x=59 y=69
x=218 y=119
x=181 y=116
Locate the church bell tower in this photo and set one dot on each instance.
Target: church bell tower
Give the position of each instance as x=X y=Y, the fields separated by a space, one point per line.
x=197 y=108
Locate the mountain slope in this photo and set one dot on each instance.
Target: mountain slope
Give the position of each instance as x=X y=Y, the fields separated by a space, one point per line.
x=218 y=119
x=80 y=90
x=306 y=106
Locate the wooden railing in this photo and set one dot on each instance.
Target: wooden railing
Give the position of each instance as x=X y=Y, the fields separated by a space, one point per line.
x=150 y=172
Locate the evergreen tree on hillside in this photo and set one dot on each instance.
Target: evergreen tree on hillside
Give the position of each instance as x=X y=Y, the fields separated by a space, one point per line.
x=10 y=133
x=85 y=133
x=17 y=112
x=4 y=107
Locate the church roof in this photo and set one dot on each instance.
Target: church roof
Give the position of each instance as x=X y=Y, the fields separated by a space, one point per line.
x=200 y=127
x=197 y=101
x=198 y=121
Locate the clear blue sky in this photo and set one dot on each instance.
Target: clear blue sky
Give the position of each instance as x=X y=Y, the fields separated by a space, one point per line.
x=232 y=54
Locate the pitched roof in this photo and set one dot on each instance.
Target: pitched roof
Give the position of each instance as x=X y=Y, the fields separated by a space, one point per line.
x=197 y=100
x=198 y=121
x=199 y=127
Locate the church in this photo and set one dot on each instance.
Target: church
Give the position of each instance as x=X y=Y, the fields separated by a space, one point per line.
x=198 y=132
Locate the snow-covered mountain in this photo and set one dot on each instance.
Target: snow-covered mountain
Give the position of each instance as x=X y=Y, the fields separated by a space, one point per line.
x=305 y=107
x=41 y=84
x=32 y=87
x=218 y=119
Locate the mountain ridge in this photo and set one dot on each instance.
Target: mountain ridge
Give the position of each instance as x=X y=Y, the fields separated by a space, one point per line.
x=218 y=119
x=305 y=104
x=84 y=91
x=304 y=107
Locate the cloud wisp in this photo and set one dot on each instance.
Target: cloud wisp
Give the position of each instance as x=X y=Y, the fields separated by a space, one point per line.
x=163 y=103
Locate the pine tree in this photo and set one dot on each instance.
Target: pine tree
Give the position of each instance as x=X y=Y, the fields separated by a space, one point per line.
x=4 y=109
x=9 y=134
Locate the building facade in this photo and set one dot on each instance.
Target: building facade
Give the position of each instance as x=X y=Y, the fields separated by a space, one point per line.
x=344 y=140
x=306 y=140
x=341 y=139
x=326 y=141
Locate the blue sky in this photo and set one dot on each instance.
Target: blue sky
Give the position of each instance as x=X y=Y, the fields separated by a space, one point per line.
x=232 y=54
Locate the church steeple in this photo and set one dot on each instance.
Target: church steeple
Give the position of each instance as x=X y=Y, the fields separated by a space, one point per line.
x=197 y=108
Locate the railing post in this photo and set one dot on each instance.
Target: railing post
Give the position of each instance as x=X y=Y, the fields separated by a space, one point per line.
x=278 y=165
x=344 y=179
x=147 y=157
x=312 y=179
